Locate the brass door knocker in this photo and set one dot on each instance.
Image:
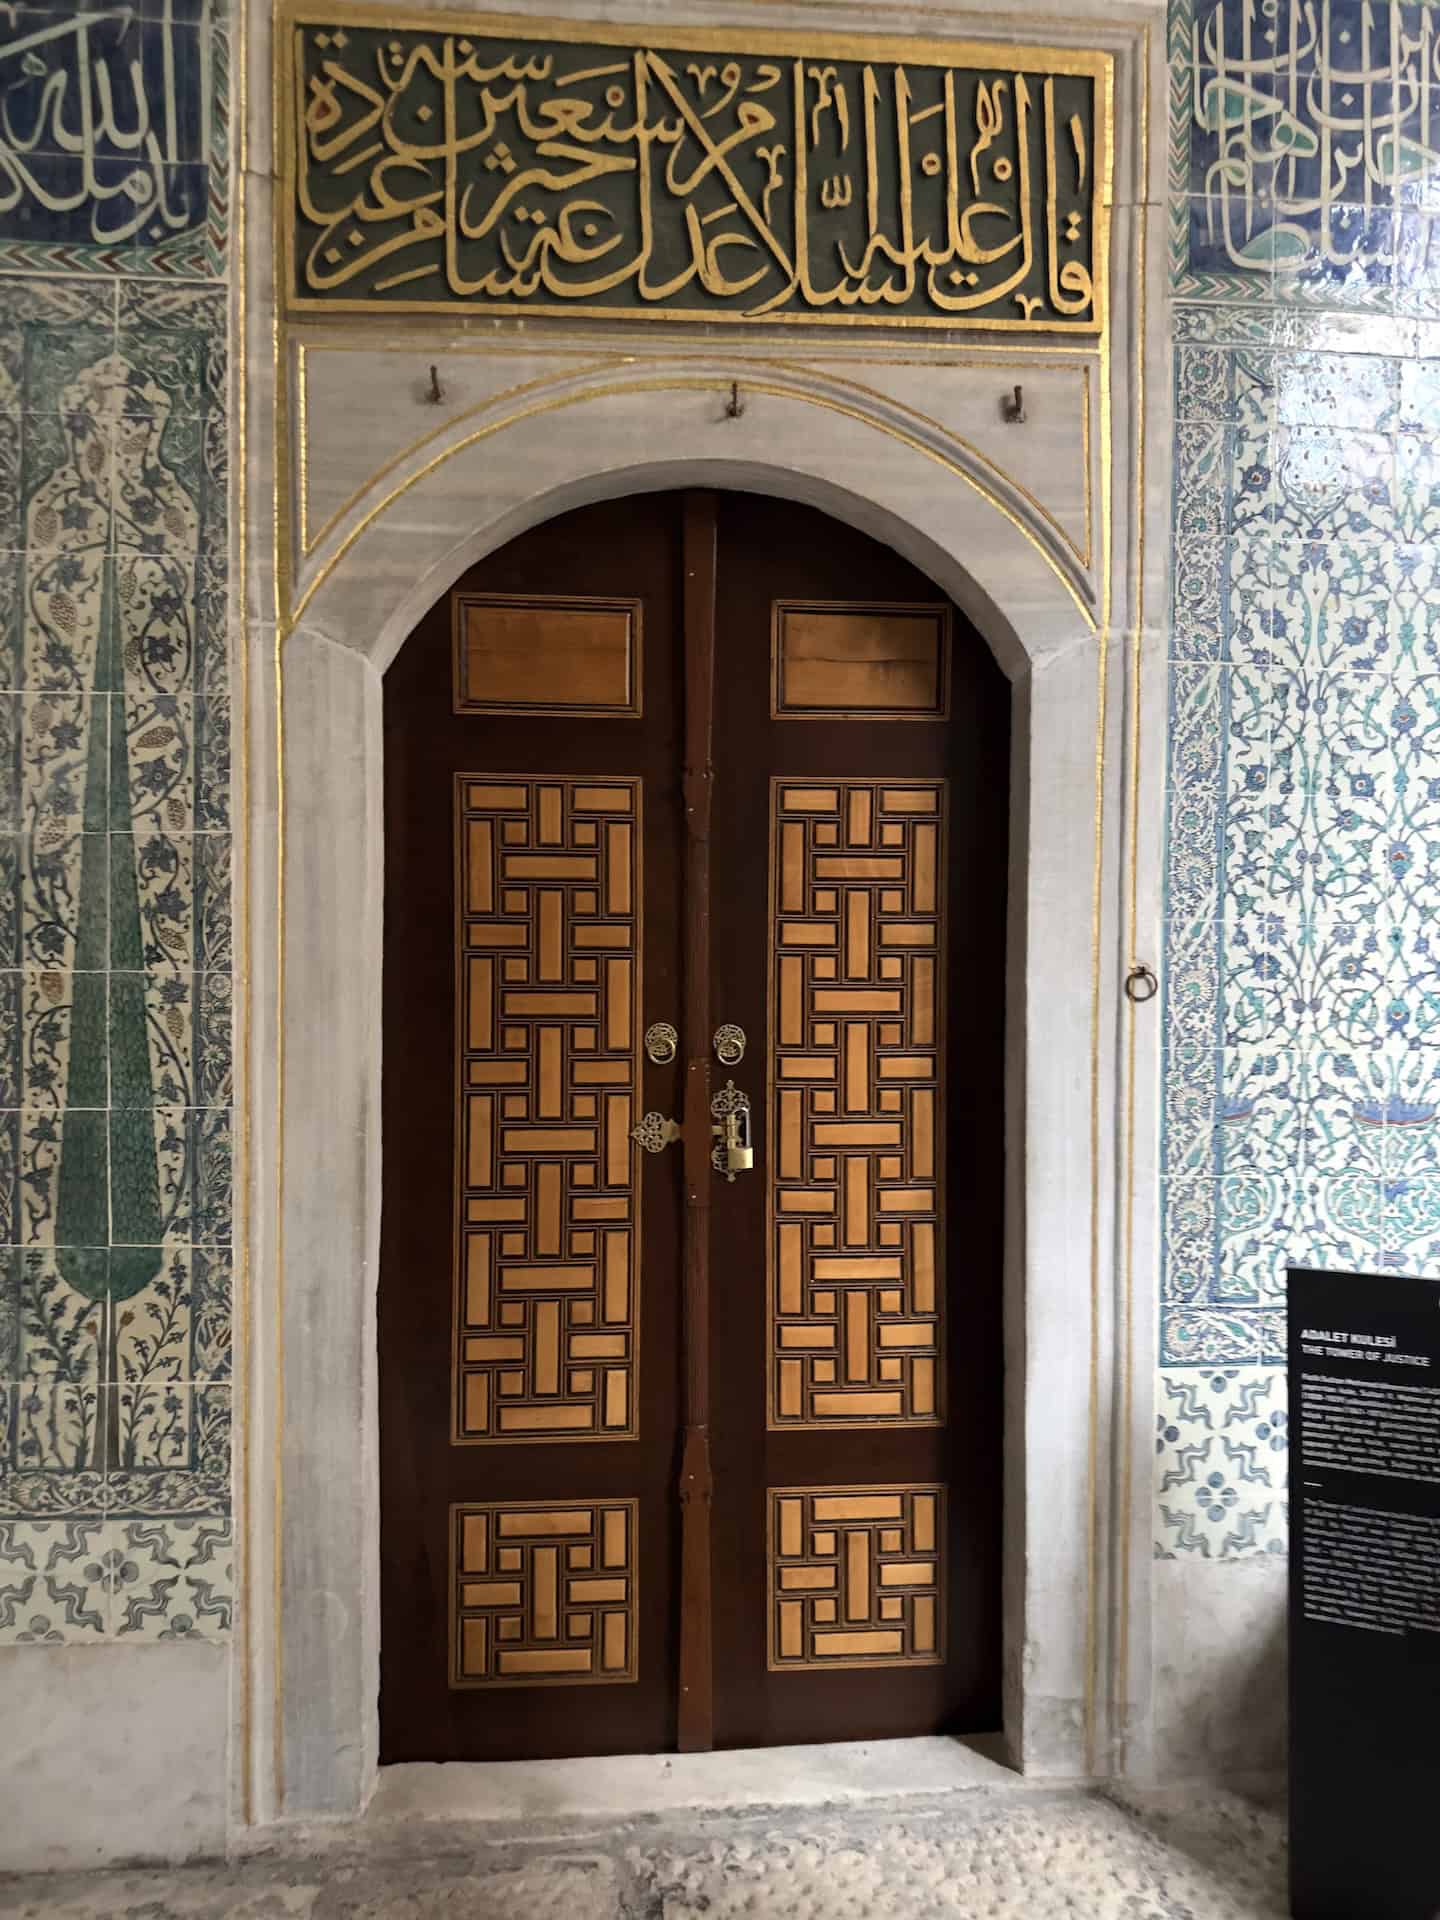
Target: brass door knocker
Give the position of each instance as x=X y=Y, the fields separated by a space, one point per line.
x=661 y=1043
x=729 y=1044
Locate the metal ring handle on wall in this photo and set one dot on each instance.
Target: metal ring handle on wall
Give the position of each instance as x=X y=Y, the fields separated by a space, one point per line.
x=1141 y=985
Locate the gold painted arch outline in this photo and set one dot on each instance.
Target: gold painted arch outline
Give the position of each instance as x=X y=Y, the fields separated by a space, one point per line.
x=958 y=468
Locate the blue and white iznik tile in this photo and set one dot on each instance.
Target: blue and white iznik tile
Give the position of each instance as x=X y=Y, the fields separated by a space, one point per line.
x=1221 y=1442
x=54 y=1583
x=172 y=1579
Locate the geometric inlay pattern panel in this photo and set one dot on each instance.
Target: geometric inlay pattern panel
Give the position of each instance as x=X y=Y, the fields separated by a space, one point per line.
x=547 y=1232
x=542 y=1595
x=857 y=1576
x=857 y=886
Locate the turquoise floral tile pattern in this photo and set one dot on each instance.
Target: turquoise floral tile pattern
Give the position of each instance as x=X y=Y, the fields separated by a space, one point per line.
x=116 y=999
x=1302 y=1038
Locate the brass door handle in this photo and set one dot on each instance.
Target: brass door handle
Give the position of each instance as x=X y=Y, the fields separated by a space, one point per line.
x=654 y=1133
x=729 y=1044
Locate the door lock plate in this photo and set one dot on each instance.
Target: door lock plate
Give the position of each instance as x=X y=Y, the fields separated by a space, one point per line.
x=732 y=1152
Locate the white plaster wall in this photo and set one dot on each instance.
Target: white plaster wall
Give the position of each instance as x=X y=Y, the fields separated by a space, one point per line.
x=1220 y=1667
x=113 y=1752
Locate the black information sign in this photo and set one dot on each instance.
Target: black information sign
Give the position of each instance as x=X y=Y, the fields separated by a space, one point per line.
x=1364 y=1355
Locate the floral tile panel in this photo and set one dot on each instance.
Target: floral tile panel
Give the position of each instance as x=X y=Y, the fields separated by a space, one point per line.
x=54 y=1583
x=138 y=1316
x=1301 y=1042
x=116 y=958
x=170 y=1579
x=114 y=1447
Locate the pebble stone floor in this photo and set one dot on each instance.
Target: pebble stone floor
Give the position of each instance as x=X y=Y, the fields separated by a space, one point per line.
x=979 y=1853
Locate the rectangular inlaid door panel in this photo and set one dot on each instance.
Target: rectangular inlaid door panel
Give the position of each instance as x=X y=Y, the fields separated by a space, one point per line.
x=855 y=1176
x=548 y=992
x=546 y=654
x=842 y=660
x=543 y=1595
x=856 y=1576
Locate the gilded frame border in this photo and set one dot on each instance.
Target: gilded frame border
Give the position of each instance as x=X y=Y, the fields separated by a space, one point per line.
x=1107 y=1694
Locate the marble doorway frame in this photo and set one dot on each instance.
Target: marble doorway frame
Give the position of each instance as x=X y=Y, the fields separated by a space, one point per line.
x=1082 y=1067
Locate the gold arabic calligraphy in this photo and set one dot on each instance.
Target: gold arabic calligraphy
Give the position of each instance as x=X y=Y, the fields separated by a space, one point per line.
x=432 y=167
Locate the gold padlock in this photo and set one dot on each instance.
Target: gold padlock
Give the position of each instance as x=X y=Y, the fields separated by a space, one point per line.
x=735 y=1139
x=732 y=1153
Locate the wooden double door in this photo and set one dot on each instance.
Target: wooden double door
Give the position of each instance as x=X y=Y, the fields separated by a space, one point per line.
x=696 y=831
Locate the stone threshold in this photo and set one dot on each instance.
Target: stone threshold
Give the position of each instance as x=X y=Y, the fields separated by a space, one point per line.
x=630 y=1786
x=546 y=1799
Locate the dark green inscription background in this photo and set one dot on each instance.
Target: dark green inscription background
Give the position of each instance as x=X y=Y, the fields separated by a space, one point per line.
x=439 y=168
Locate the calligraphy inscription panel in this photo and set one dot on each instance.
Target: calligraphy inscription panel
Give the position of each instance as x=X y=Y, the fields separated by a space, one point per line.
x=108 y=125
x=548 y=913
x=535 y=167
x=1310 y=128
x=856 y=1576
x=542 y=1594
x=857 y=870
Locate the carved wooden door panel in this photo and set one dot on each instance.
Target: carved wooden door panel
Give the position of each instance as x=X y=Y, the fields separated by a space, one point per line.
x=862 y=753
x=670 y=1458
x=528 y=1331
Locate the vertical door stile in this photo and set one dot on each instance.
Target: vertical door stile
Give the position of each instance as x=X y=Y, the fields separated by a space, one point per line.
x=696 y=1702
